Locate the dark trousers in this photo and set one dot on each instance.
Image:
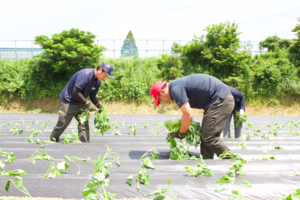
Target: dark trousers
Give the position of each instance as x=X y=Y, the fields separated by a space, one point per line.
x=66 y=114
x=213 y=123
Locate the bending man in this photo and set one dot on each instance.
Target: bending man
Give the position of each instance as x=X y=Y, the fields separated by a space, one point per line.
x=239 y=107
x=202 y=92
x=73 y=99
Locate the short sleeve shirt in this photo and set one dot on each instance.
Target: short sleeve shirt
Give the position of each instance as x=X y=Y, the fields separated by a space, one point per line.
x=200 y=90
x=85 y=81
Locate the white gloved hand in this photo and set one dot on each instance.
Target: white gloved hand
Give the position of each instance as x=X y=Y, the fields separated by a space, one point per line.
x=242 y=111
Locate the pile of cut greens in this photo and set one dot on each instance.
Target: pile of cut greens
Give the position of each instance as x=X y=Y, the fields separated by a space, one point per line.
x=193 y=134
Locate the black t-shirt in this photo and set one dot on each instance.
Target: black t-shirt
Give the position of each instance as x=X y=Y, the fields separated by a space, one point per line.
x=200 y=90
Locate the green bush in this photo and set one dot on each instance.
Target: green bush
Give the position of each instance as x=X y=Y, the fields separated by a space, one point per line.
x=133 y=79
x=274 y=75
x=170 y=66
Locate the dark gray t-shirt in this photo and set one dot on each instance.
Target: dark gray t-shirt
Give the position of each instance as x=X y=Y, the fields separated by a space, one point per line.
x=84 y=80
x=200 y=90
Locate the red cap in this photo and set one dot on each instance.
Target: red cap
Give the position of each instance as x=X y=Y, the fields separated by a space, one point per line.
x=155 y=88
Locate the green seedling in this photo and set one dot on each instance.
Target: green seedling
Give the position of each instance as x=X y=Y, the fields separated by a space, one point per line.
x=161 y=193
x=193 y=134
x=296 y=173
x=15 y=129
x=132 y=130
x=75 y=158
x=257 y=130
x=10 y=157
x=145 y=125
x=242 y=143
x=260 y=145
x=114 y=125
x=151 y=154
x=238 y=165
x=101 y=122
x=9 y=123
x=264 y=136
x=159 y=124
x=35 y=122
x=248 y=136
x=123 y=123
x=249 y=125
x=1 y=132
x=270 y=158
x=35 y=132
x=18 y=183
x=39 y=156
x=84 y=116
x=116 y=132
x=155 y=132
x=23 y=121
x=294 y=196
x=142 y=177
x=45 y=124
x=3 y=125
x=268 y=125
x=278 y=147
x=201 y=169
x=67 y=139
x=57 y=170
x=17 y=172
x=180 y=151
x=100 y=179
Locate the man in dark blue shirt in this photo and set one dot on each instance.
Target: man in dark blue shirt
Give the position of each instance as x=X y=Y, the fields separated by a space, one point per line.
x=203 y=92
x=73 y=99
x=239 y=107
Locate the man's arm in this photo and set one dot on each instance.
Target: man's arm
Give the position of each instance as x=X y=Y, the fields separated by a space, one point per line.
x=186 y=118
x=76 y=92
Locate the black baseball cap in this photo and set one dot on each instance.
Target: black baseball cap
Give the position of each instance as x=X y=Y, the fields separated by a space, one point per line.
x=107 y=68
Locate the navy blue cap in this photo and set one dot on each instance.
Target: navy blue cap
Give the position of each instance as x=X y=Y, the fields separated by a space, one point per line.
x=108 y=69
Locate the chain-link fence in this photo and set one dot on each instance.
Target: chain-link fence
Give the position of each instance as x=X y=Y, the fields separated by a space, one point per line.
x=18 y=49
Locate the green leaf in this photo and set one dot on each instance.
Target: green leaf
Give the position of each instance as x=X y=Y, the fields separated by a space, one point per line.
x=147 y=180
x=7 y=185
x=246 y=183
x=99 y=176
x=168 y=180
x=111 y=196
x=18 y=181
x=220 y=188
x=62 y=166
x=100 y=160
x=129 y=179
x=148 y=163
x=87 y=192
x=160 y=197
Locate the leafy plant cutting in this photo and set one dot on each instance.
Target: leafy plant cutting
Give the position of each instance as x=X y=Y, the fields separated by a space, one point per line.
x=100 y=179
x=193 y=134
x=201 y=169
x=101 y=122
x=161 y=193
x=132 y=130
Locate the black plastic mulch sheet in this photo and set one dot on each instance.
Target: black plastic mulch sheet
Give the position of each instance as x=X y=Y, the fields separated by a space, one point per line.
x=268 y=178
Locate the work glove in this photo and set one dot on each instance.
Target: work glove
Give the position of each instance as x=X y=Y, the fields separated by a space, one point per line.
x=242 y=111
x=90 y=107
x=176 y=135
x=100 y=109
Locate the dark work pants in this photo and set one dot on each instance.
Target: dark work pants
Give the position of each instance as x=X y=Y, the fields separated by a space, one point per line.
x=214 y=119
x=66 y=114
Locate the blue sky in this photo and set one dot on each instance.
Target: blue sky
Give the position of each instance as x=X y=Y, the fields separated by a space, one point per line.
x=155 y=19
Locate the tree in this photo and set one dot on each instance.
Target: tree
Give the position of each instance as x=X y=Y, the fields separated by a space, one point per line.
x=129 y=47
x=63 y=54
x=274 y=43
x=295 y=47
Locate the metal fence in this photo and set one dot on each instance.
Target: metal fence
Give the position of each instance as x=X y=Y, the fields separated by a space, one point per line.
x=18 y=49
